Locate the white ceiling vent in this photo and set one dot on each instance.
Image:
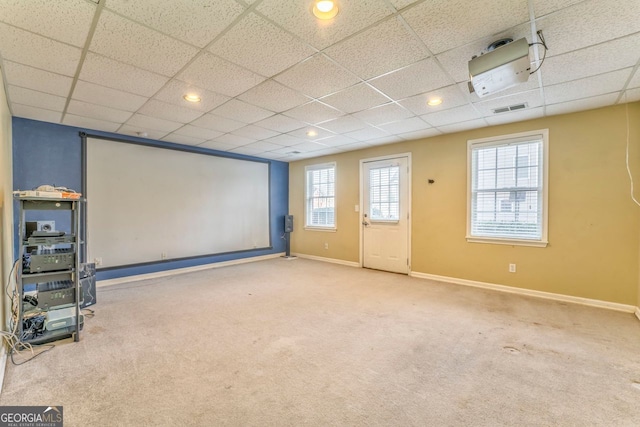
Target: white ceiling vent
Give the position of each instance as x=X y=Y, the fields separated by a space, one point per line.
x=515 y=107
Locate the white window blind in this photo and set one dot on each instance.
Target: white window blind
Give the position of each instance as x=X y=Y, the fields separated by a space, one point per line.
x=320 y=196
x=507 y=194
x=384 y=193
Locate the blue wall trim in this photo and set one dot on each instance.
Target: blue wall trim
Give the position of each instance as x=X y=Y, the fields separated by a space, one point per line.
x=48 y=153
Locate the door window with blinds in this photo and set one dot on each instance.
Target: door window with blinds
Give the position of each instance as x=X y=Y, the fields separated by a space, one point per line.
x=320 y=196
x=384 y=193
x=507 y=189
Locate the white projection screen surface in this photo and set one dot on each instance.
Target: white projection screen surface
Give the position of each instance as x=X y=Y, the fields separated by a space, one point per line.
x=147 y=204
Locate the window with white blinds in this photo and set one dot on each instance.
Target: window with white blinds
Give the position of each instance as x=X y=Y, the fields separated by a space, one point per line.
x=320 y=195
x=384 y=193
x=508 y=189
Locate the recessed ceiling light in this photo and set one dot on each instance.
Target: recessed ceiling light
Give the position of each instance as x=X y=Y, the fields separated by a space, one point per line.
x=312 y=133
x=434 y=101
x=325 y=9
x=192 y=98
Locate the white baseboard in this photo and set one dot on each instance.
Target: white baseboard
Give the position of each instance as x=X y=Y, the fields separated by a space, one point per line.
x=3 y=363
x=136 y=278
x=530 y=292
x=331 y=260
x=638 y=312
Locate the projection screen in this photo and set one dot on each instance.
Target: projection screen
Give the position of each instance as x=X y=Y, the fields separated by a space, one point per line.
x=147 y=204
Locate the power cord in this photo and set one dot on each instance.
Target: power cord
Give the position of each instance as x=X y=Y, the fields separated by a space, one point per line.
x=544 y=44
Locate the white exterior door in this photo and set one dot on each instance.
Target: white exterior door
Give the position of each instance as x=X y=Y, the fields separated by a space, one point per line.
x=385 y=214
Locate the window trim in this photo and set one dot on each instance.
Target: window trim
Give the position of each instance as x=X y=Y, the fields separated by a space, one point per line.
x=501 y=140
x=312 y=227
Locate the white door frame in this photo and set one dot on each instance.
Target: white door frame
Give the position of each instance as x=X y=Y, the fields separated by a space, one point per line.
x=360 y=206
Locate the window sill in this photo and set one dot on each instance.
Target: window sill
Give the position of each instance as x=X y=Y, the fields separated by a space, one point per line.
x=510 y=242
x=325 y=229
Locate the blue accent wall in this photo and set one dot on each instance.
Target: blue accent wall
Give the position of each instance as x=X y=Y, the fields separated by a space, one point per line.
x=47 y=153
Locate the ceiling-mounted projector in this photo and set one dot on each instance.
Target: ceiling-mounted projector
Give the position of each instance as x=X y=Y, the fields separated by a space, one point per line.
x=501 y=68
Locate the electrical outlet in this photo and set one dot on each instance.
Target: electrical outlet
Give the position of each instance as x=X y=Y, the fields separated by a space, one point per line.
x=97 y=261
x=326 y=245
x=512 y=268
x=163 y=255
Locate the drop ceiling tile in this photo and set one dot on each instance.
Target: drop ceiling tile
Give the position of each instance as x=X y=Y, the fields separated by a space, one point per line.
x=545 y=7
x=234 y=139
x=532 y=98
x=174 y=92
x=124 y=40
x=196 y=22
x=65 y=21
x=343 y=124
x=635 y=80
x=406 y=125
x=273 y=96
x=33 y=78
x=219 y=75
x=33 y=98
x=317 y=77
x=367 y=133
x=631 y=95
x=263 y=146
x=593 y=60
x=515 y=116
x=259 y=46
x=456 y=61
x=221 y=124
x=280 y=123
x=102 y=95
x=587 y=87
x=462 y=126
x=254 y=132
x=417 y=78
x=384 y=114
x=241 y=111
x=31 y=49
x=385 y=140
x=445 y=24
x=452 y=115
x=582 y=104
x=138 y=131
x=117 y=75
x=163 y=110
x=356 y=98
x=246 y=150
x=274 y=156
x=401 y=4
x=337 y=140
x=380 y=49
x=216 y=145
x=295 y=16
x=196 y=132
x=29 y=112
x=313 y=112
x=285 y=140
x=420 y=134
x=307 y=147
x=153 y=123
x=316 y=133
x=90 y=123
x=566 y=30
x=183 y=139
x=85 y=109
x=451 y=97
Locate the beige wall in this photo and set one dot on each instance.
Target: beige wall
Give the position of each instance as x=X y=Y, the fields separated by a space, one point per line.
x=6 y=201
x=594 y=227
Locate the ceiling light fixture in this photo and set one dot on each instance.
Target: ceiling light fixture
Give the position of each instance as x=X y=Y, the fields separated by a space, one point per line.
x=192 y=98
x=434 y=101
x=312 y=133
x=325 y=9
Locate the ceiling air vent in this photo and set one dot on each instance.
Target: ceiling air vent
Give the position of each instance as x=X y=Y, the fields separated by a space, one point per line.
x=294 y=152
x=515 y=107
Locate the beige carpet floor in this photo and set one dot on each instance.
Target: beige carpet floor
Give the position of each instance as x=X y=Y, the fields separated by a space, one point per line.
x=306 y=343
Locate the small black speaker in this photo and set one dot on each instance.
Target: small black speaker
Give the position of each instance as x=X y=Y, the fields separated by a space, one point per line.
x=288 y=223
